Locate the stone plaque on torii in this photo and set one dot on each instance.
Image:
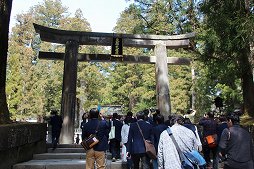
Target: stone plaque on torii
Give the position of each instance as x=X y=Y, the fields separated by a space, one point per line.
x=72 y=40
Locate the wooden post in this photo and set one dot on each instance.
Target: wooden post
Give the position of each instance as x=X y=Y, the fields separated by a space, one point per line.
x=162 y=81
x=69 y=92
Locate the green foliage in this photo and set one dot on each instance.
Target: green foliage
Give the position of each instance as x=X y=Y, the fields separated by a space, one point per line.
x=49 y=13
x=227 y=39
x=34 y=89
x=167 y=17
x=160 y=17
x=133 y=85
x=225 y=30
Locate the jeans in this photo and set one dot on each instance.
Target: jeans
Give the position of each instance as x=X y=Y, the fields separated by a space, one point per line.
x=155 y=164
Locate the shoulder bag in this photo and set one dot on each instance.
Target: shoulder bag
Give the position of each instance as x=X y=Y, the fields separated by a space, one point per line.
x=191 y=159
x=150 y=149
x=92 y=140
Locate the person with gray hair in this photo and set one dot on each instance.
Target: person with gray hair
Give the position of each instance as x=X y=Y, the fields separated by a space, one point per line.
x=236 y=146
x=168 y=157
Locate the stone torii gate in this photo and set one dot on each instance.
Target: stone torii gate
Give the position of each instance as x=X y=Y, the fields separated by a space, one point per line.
x=72 y=40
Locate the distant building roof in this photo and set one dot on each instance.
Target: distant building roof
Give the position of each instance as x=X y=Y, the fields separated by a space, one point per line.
x=108 y=110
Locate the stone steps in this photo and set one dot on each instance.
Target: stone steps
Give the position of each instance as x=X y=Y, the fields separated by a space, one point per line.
x=52 y=164
x=66 y=146
x=62 y=164
x=45 y=156
x=66 y=150
x=63 y=157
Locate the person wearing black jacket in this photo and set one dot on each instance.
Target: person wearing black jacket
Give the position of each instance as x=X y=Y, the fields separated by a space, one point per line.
x=236 y=145
x=56 y=122
x=84 y=121
x=209 y=128
x=115 y=142
x=156 y=132
x=135 y=145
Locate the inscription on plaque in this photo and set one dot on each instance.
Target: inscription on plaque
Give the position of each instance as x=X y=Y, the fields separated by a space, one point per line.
x=117 y=46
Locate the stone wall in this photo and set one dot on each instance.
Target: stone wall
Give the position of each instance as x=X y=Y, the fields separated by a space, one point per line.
x=18 y=142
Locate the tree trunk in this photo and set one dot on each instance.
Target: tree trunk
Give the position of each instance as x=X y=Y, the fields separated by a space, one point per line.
x=5 y=13
x=247 y=82
x=132 y=102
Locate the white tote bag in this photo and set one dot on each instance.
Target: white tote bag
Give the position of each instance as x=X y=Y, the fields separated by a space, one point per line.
x=124 y=153
x=112 y=131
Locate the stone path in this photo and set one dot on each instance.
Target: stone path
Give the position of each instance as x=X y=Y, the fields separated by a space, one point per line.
x=64 y=157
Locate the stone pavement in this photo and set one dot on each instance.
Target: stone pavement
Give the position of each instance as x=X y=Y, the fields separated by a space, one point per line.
x=64 y=157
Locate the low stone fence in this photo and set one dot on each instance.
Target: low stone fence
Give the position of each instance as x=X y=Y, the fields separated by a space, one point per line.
x=19 y=141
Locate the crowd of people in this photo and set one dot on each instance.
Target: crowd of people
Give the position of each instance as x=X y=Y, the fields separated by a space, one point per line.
x=233 y=144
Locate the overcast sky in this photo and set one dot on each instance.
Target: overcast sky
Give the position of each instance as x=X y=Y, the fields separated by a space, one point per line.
x=101 y=14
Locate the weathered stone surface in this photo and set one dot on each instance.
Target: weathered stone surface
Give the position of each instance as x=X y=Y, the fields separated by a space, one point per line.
x=64 y=164
x=14 y=135
x=105 y=39
x=162 y=81
x=67 y=150
x=68 y=102
x=18 y=142
x=72 y=40
x=45 y=156
x=84 y=57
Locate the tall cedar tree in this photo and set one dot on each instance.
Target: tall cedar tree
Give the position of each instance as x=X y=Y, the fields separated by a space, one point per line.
x=231 y=23
x=5 y=11
x=43 y=79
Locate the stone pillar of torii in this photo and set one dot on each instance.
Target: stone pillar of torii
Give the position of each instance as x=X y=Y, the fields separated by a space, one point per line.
x=71 y=57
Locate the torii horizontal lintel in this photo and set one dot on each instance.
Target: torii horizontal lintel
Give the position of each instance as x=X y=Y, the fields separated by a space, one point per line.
x=114 y=58
x=105 y=39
